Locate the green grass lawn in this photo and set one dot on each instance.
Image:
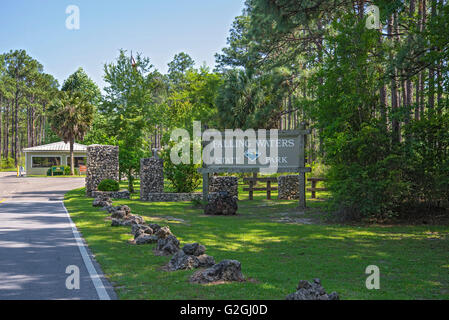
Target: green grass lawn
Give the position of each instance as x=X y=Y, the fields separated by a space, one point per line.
x=45 y=176
x=413 y=260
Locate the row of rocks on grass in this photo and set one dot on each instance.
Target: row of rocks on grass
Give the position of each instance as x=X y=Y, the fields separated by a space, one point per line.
x=193 y=255
x=121 y=215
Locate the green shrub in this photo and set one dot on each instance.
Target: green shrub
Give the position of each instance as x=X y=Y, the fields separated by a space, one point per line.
x=365 y=176
x=67 y=170
x=427 y=159
x=108 y=185
x=184 y=177
x=319 y=169
x=7 y=163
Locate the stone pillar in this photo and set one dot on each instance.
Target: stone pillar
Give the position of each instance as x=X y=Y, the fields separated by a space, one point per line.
x=102 y=163
x=151 y=177
x=288 y=187
x=228 y=184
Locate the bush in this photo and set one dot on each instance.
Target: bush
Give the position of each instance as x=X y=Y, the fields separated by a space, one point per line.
x=428 y=160
x=67 y=170
x=184 y=177
x=57 y=173
x=365 y=176
x=319 y=169
x=108 y=185
x=7 y=163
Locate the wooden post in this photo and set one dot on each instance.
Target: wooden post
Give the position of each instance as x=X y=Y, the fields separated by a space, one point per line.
x=313 y=189
x=251 y=185
x=268 y=190
x=302 y=175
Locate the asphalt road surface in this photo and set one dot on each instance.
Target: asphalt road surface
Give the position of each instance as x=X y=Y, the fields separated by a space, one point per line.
x=40 y=248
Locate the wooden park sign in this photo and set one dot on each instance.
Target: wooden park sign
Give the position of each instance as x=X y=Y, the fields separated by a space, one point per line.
x=273 y=152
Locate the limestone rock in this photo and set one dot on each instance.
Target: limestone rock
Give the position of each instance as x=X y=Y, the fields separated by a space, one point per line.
x=182 y=261
x=146 y=239
x=102 y=202
x=311 y=290
x=126 y=209
x=205 y=261
x=167 y=246
x=119 y=212
x=135 y=219
x=127 y=221
x=226 y=270
x=163 y=232
x=221 y=203
x=139 y=229
x=155 y=227
x=116 y=222
x=194 y=249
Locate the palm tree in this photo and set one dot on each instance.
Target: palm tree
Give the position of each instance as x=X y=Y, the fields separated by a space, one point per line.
x=71 y=117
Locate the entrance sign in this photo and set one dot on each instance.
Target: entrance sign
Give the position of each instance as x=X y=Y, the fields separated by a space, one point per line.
x=235 y=151
x=247 y=154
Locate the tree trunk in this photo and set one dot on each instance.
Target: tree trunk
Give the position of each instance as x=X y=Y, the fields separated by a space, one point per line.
x=16 y=135
x=423 y=17
x=72 y=162
x=395 y=139
x=6 y=143
x=432 y=68
x=130 y=181
x=409 y=84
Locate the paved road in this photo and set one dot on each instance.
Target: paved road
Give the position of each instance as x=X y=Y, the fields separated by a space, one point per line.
x=37 y=243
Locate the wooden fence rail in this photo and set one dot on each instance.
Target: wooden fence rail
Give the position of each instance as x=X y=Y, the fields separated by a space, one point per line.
x=314 y=189
x=252 y=182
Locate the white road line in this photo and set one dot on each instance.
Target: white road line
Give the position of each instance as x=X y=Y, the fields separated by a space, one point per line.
x=101 y=290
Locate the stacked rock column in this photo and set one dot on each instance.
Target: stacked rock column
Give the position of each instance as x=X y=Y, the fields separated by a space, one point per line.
x=102 y=163
x=151 y=177
x=228 y=184
x=288 y=187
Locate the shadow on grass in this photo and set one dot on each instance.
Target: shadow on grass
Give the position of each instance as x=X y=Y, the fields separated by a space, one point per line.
x=413 y=264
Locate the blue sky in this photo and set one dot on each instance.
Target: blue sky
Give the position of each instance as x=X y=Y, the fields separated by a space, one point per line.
x=157 y=28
